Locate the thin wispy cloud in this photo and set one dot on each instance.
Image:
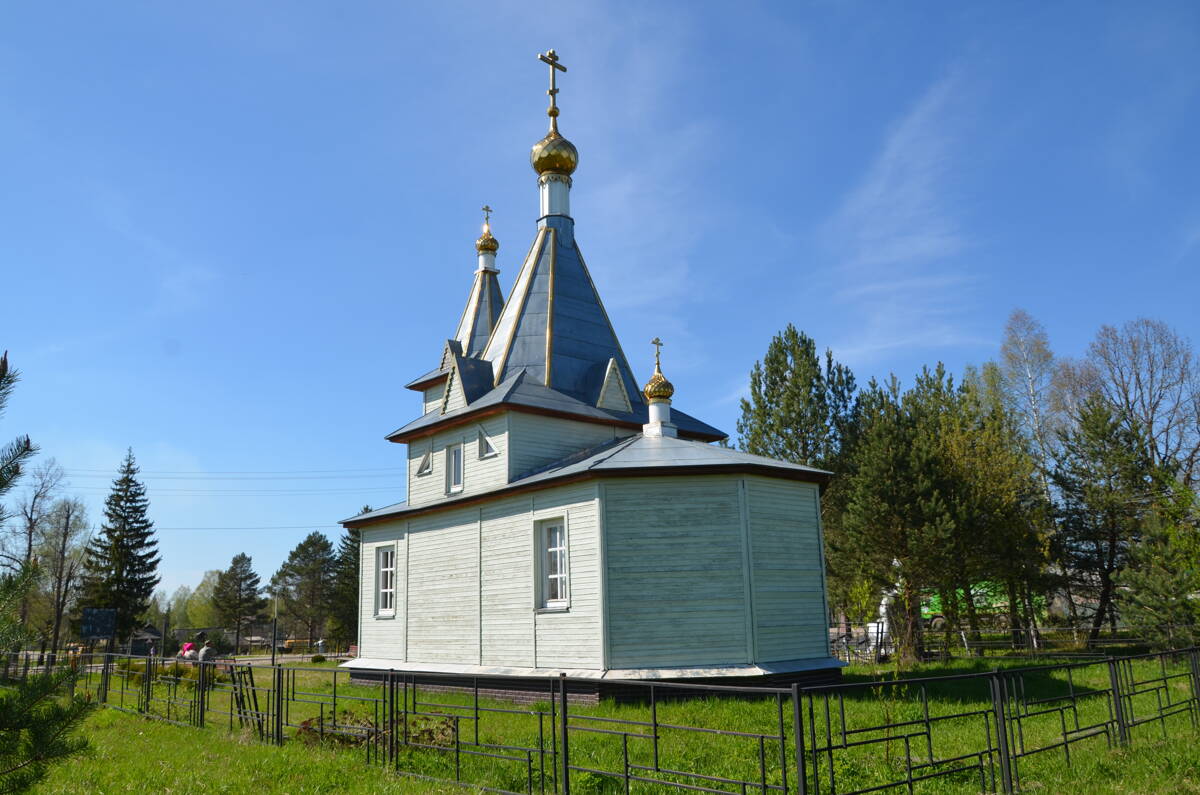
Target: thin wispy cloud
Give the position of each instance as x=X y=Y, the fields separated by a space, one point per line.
x=896 y=235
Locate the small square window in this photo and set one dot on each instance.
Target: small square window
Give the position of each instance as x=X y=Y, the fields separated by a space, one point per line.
x=385 y=579
x=486 y=448
x=426 y=465
x=454 y=468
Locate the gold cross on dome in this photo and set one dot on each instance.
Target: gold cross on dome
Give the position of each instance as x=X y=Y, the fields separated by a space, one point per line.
x=487 y=214
x=550 y=58
x=657 y=343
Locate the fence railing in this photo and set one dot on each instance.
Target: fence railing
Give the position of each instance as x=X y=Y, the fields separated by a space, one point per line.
x=859 y=643
x=987 y=731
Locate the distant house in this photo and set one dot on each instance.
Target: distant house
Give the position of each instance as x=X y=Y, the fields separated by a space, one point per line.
x=562 y=519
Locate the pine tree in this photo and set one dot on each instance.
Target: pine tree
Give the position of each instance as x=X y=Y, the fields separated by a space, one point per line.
x=237 y=596
x=121 y=568
x=304 y=584
x=37 y=722
x=13 y=454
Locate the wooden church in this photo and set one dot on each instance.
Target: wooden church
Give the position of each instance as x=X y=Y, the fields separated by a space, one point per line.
x=560 y=519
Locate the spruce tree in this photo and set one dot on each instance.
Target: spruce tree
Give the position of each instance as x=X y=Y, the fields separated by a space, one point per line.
x=1157 y=591
x=237 y=596
x=344 y=606
x=1104 y=481
x=304 y=584
x=121 y=567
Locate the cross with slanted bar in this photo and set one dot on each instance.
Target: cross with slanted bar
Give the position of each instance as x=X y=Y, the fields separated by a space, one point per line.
x=657 y=343
x=550 y=58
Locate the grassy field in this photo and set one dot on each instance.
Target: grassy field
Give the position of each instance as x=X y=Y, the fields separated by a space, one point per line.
x=1160 y=759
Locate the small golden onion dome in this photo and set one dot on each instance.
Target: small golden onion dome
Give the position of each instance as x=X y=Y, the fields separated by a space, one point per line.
x=486 y=242
x=658 y=387
x=554 y=155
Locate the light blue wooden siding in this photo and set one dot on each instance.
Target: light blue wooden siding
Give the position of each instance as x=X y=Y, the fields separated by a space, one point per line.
x=676 y=585
x=536 y=440
x=443 y=588
x=470 y=584
x=506 y=578
x=571 y=639
x=432 y=397
x=478 y=474
x=788 y=573
x=381 y=636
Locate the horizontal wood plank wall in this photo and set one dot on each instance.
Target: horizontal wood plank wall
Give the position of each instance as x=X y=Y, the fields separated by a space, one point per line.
x=571 y=639
x=478 y=474
x=506 y=585
x=676 y=591
x=789 y=603
x=381 y=636
x=470 y=585
x=537 y=440
x=432 y=400
x=443 y=588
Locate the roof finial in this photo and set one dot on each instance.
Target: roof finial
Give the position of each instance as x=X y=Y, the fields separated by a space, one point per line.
x=487 y=243
x=658 y=388
x=550 y=57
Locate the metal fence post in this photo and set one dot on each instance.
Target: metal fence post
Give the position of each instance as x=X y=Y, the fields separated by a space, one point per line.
x=1195 y=665
x=999 y=695
x=562 y=708
x=798 y=728
x=201 y=691
x=1114 y=680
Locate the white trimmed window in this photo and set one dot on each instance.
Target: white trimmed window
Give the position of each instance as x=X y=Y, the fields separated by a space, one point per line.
x=385 y=579
x=554 y=564
x=486 y=448
x=426 y=465
x=454 y=468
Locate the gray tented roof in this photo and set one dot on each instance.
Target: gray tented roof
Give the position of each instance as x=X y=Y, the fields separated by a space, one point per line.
x=519 y=390
x=634 y=455
x=554 y=325
x=484 y=306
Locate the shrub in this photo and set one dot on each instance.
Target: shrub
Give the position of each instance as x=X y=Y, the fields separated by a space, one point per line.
x=318 y=658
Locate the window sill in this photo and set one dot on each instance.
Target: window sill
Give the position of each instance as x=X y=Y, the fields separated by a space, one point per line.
x=553 y=609
x=489 y=455
x=386 y=616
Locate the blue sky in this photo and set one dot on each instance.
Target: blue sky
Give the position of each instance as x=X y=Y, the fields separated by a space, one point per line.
x=231 y=232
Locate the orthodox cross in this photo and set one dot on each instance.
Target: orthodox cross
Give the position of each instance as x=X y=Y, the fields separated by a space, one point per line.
x=487 y=214
x=550 y=58
x=657 y=343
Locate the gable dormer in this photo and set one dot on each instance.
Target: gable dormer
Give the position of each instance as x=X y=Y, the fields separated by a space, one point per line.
x=612 y=390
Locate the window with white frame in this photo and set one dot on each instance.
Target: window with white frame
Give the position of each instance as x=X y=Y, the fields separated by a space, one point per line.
x=454 y=468
x=385 y=579
x=486 y=448
x=426 y=465
x=555 y=585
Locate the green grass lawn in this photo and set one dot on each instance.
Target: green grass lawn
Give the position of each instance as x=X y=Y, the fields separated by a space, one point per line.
x=1160 y=759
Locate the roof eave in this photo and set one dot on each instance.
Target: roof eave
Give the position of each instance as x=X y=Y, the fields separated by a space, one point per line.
x=486 y=411
x=422 y=384
x=821 y=479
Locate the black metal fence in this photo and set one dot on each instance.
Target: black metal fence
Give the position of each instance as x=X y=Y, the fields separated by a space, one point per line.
x=864 y=643
x=987 y=731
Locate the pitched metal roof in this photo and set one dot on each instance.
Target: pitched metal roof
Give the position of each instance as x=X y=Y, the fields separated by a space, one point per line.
x=554 y=325
x=520 y=390
x=634 y=455
x=483 y=309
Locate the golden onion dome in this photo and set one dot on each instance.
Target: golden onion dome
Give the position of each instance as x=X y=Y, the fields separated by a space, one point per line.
x=486 y=242
x=658 y=387
x=554 y=155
